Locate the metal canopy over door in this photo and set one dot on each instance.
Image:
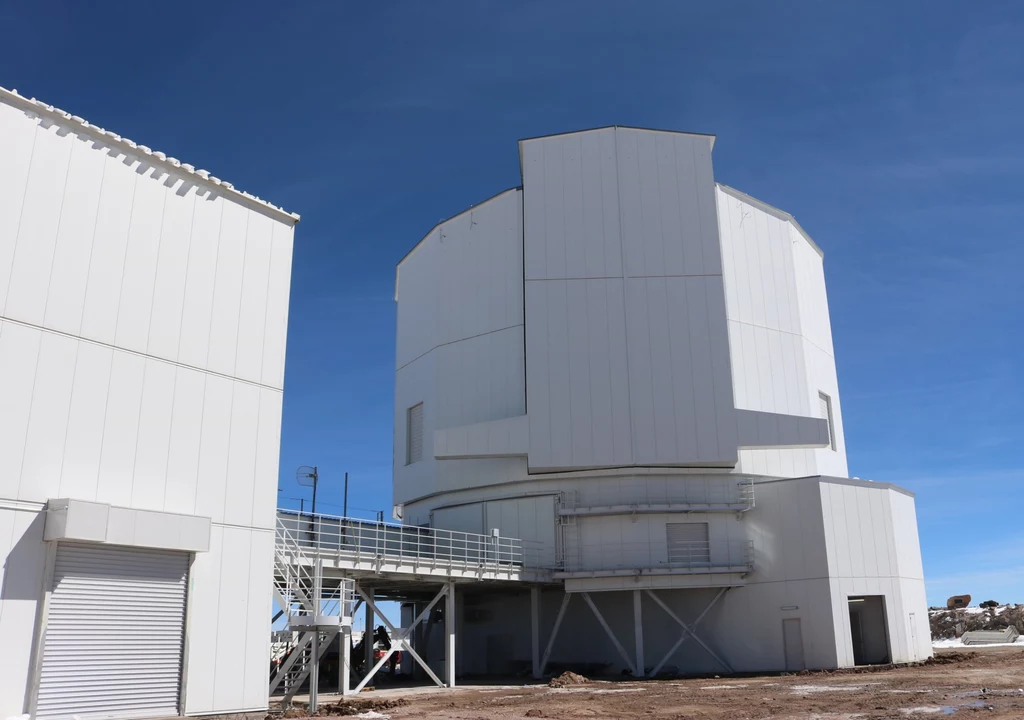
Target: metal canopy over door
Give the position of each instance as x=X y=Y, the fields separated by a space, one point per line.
x=114 y=633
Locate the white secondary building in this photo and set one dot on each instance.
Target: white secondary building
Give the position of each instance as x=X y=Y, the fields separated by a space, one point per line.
x=631 y=367
x=143 y=314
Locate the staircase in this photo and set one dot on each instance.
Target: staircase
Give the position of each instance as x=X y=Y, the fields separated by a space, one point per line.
x=313 y=614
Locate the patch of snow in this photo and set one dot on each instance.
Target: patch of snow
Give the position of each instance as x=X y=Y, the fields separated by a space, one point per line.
x=374 y=714
x=803 y=689
x=956 y=643
x=723 y=687
x=927 y=709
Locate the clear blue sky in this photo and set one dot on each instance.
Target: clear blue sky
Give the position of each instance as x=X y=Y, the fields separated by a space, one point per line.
x=893 y=131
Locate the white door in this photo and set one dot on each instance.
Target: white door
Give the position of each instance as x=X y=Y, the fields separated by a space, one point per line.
x=114 y=633
x=793 y=644
x=913 y=637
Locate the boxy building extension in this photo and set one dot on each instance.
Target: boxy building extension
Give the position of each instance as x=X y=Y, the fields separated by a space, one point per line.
x=631 y=366
x=143 y=314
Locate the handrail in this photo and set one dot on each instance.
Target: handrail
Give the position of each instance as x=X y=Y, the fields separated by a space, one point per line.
x=365 y=540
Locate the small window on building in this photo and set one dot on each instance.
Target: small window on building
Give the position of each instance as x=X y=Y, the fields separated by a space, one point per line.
x=826 y=412
x=414 y=434
x=688 y=544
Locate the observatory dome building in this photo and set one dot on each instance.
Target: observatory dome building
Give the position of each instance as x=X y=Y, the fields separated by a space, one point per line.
x=630 y=367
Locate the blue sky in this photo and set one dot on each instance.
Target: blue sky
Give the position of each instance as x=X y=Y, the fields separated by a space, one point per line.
x=892 y=131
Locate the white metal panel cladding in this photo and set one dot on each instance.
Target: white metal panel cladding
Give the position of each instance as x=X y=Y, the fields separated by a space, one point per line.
x=114 y=633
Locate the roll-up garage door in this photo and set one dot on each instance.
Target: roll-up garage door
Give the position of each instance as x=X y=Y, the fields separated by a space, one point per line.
x=114 y=633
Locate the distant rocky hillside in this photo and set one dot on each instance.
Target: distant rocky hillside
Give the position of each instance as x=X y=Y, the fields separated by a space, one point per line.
x=953 y=623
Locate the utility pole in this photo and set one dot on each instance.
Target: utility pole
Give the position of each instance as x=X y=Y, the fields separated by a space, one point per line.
x=308 y=476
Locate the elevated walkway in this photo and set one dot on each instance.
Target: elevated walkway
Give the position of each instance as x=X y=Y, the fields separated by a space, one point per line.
x=326 y=567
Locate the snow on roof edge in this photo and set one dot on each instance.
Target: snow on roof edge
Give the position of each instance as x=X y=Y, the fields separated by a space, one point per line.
x=131 y=147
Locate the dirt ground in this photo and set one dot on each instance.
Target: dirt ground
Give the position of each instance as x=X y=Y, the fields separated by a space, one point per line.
x=986 y=683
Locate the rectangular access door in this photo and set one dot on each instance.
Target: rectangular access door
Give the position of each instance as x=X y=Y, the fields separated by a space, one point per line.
x=793 y=641
x=115 y=630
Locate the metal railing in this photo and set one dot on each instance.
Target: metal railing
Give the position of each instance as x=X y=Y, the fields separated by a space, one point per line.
x=692 y=557
x=364 y=540
x=725 y=493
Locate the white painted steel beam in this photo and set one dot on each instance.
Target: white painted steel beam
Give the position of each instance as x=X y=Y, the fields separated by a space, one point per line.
x=607 y=629
x=535 y=632
x=554 y=632
x=449 y=628
x=638 y=633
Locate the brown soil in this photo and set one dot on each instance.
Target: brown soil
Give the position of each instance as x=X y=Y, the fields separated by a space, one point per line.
x=984 y=684
x=567 y=679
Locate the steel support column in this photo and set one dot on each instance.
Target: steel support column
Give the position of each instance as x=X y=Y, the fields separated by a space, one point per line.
x=368 y=632
x=314 y=676
x=345 y=666
x=535 y=632
x=449 y=630
x=638 y=633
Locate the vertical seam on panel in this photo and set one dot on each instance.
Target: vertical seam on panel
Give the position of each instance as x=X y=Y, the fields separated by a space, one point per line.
x=67 y=423
x=625 y=312
x=184 y=286
x=668 y=311
x=700 y=224
x=248 y=613
x=156 y=267
x=227 y=468
x=679 y=206
x=170 y=434
x=31 y=404
x=256 y=455
x=199 y=452
x=266 y=304
x=127 y=244
x=21 y=212
x=647 y=296
x=590 y=365
x=56 y=235
x=213 y=296
x=103 y=431
x=92 y=244
x=220 y=588
x=522 y=266
x=138 y=427
x=241 y=297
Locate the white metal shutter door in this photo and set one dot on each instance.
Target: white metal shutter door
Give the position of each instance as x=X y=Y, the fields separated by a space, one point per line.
x=688 y=544
x=114 y=633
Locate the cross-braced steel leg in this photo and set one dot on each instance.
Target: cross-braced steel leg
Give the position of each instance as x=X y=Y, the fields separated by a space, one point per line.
x=608 y=630
x=400 y=638
x=554 y=632
x=688 y=631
